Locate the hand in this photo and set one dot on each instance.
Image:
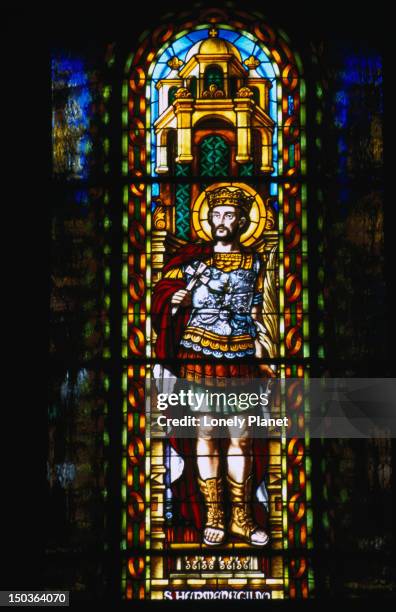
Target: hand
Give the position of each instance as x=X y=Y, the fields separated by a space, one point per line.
x=263 y=344
x=181 y=298
x=267 y=370
x=259 y=349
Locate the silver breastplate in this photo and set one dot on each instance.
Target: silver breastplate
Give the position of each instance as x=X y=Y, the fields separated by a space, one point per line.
x=222 y=301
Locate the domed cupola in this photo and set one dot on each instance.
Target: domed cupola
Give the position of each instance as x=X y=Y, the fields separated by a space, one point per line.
x=213 y=83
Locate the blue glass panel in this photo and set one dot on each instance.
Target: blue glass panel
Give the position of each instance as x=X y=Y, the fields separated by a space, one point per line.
x=263 y=57
x=72 y=101
x=153 y=153
x=275 y=153
x=245 y=46
x=161 y=71
x=290 y=105
x=265 y=69
x=197 y=35
x=274 y=193
x=341 y=109
x=154 y=93
x=357 y=67
x=81 y=198
x=166 y=55
x=67 y=72
x=272 y=109
x=155 y=189
x=275 y=150
x=228 y=35
x=181 y=46
x=153 y=111
x=154 y=104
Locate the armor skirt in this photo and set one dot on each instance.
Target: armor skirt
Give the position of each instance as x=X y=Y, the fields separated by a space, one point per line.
x=218 y=377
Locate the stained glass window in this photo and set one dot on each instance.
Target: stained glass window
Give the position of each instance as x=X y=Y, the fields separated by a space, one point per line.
x=241 y=126
x=70 y=121
x=203 y=113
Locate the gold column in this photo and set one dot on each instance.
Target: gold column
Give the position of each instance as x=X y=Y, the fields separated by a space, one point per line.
x=183 y=111
x=161 y=153
x=275 y=509
x=243 y=109
x=157 y=475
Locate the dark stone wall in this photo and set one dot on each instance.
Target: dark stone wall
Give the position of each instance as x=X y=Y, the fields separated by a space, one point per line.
x=353 y=479
x=76 y=490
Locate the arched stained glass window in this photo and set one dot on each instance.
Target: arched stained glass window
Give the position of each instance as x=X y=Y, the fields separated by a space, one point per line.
x=249 y=140
x=186 y=231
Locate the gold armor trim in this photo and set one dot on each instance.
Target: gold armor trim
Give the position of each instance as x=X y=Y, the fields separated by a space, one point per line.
x=242 y=523
x=212 y=490
x=230 y=261
x=222 y=261
x=216 y=342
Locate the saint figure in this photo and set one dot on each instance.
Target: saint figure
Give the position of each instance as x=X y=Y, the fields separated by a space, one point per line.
x=207 y=313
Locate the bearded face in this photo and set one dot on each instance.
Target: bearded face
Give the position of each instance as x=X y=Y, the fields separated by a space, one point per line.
x=226 y=223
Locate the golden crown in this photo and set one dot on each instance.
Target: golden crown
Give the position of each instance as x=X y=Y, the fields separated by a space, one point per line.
x=223 y=196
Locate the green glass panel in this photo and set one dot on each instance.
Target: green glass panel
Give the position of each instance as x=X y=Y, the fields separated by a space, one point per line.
x=214 y=76
x=246 y=169
x=214 y=157
x=182 y=203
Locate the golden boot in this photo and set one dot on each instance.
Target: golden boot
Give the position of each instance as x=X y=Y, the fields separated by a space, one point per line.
x=242 y=523
x=212 y=490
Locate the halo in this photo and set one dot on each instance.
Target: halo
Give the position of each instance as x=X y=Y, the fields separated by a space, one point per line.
x=258 y=214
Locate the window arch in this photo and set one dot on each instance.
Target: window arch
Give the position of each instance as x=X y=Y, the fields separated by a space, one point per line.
x=214 y=76
x=193 y=86
x=256 y=95
x=172 y=94
x=151 y=208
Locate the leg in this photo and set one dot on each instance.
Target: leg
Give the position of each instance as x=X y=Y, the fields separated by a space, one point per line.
x=211 y=486
x=239 y=460
x=207 y=458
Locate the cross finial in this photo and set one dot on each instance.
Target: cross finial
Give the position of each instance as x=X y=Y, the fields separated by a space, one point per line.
x=213 y=32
